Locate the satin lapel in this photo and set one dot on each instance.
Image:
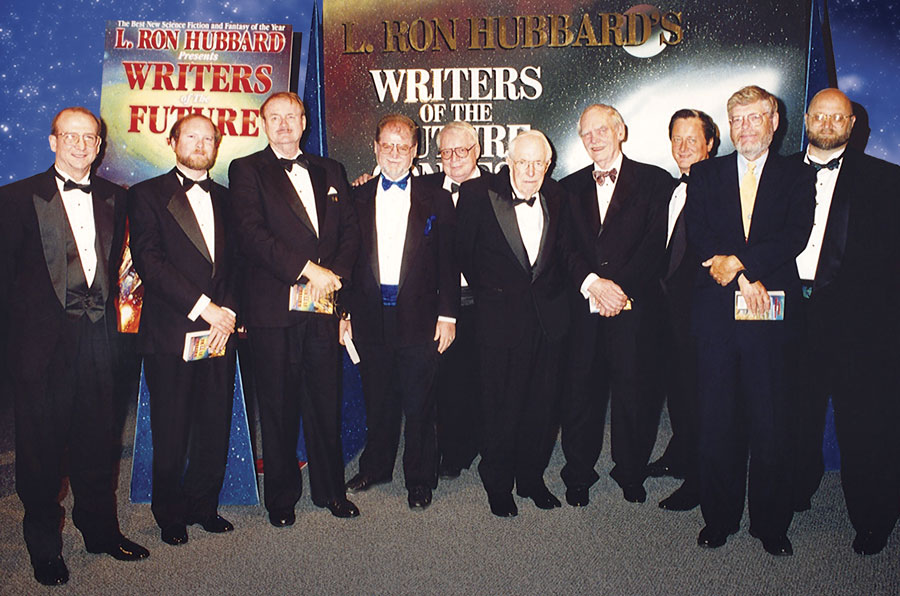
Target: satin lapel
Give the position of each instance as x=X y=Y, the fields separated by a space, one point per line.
x=415 y=230
x=319 y=181
x=506 y=217
x=51 y=216
x=587 y=195
x=365 y=210
x=219 y=214
x=104 y=210
x=541 y=262
x=180 y=209
x=285 y=189
x=624 y=189
x=835 y=240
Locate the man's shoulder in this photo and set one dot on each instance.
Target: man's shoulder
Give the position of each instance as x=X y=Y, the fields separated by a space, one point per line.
x=433 y=178
x=254 y=160
x=327 y=163
x=577 y=178
x=644 y=169
x=26 y=185
x=150 y=184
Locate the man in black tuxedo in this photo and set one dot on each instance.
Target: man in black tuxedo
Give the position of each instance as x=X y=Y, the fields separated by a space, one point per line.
x=182 y=248
x=512 y=250
x=694 y=137
x=457 y=381
x=61 y=235
x=618 y=214
x=849 y=325
x=742 y=368
x=296 y=226
x=403 y=303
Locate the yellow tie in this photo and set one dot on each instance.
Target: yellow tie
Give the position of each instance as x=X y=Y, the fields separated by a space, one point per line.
x=748 y=197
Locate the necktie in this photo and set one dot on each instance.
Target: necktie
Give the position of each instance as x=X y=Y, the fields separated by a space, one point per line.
x=831 y=165
x=204 y=184
x=600 y=176
x=288 y=164
x=386 y=183
x=72 y=185
x=530 y=201
x=748 y=197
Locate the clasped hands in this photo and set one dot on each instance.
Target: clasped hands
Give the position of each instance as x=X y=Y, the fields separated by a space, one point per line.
x=221 y=325
x=723 y=269
x=321 y=282
x=607 y=296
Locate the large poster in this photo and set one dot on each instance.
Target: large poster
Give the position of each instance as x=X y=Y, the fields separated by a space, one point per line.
x=515 y=64
x=154 y=72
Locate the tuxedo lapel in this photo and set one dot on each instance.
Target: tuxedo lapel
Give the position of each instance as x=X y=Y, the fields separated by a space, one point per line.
x=415 y=230
x=104 y=215
x=285 y=189
x=587 y=196
x=543 y=253
x=624 y=188
x=180 y=209
x=506 y=217
x=365 y=210
x=731 y=195
x=52 y=221
x=835 y=240
x=318 y=177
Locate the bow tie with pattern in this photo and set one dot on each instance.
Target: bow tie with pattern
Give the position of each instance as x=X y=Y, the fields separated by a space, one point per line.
x=288 y=164
x=600 y=176
x=204 y=184
x=831 y=165
x=516 y=201
x=72 y=185
x=387 y=183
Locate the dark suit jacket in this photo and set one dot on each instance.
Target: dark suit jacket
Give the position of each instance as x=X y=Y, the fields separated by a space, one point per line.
x=174 y=263
x=858 y=277
x=509 y=292
x=630 y=245
x=277 y=237
x=429 y=277
x=782 y=220
x=34 y=263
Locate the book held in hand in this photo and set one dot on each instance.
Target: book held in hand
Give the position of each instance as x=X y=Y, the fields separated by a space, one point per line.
x=775 y=312
x=196 y=347
x=300 y=299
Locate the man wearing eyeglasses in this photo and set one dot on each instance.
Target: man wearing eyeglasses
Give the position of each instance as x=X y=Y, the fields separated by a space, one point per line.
x=457 y=382
x=849 y=325
x=749 y=215
x=512 y=250
x=403 y=306
x=618 y=218
x=62 y=233
x=296 y=227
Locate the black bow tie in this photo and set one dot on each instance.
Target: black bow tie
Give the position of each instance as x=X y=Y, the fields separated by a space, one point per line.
x=831 y=165
x=684 y=178
x=288 y=164
x=204 y=184
x=517 y=201
x=454 y=187
x=72 y=185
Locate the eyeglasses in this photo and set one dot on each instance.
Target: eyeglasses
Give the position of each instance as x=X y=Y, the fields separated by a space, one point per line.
x=401 y=149
x=72 y=138
x=459 y=152
x=755 y=119
x=836 y=118
x=523 y=164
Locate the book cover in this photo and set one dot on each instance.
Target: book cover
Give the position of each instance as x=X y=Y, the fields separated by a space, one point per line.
x=775 y=312
x=300 y=299
x=196 y=347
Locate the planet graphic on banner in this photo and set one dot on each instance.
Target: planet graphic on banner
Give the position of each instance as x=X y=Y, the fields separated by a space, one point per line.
x=650 y=21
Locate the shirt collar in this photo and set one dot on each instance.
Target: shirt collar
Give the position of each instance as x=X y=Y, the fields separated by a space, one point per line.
x=280 y=156
x=85 y=180
x=616 y=164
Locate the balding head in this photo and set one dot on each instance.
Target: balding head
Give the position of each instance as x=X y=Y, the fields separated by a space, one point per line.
x=829 y=122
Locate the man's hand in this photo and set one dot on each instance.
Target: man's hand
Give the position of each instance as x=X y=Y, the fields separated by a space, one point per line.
x=344 y=327
x=755 y=295
x=321 y=280
x=219 y=319
x=363 y=178
x=217 y=340
x=723 y=268
x=608 y=296
x=444 y=334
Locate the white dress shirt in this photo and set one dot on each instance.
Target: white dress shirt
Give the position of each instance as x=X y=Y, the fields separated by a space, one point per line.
x=391 y=218
x=201 y=204
x=531 y=223
x=299 y=177
x=79 y=207
x=676 y=206
x=604 y=198
x=826 y=180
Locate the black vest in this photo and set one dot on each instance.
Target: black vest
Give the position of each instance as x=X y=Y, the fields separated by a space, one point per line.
x=80 y=299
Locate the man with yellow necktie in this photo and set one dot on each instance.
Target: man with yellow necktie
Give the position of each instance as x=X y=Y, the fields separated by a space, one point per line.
x=748 y=216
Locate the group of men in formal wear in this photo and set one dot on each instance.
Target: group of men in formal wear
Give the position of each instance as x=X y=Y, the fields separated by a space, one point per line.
x=489 y=311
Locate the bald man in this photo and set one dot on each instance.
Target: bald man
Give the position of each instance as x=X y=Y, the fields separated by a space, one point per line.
x=848 y=343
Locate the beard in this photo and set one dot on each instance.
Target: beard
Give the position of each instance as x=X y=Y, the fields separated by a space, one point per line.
x=828 y=141
x=747 y=148
x=197 y=161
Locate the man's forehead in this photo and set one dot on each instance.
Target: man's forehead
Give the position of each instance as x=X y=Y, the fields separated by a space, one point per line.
x=454 y=138
x=757 y=106
x=396 y=128
x=597 y=117
x=829 y=100
x=282 y=106
x=69 y=120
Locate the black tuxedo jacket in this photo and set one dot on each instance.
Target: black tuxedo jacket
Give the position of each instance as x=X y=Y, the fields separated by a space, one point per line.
x=630 y=245
x=277 y=238
x=509 y=292
x=858 y=276
x=782 y=221
x=34 y=262
x=174 y=263
x=429 y=277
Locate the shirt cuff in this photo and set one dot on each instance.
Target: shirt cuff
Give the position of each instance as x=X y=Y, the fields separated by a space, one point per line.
x=202 y=303
x=591 y=278
x=304 y=269
x=447 y=320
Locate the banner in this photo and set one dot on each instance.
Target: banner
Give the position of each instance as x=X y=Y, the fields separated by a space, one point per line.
x=155 y=72
x=519 y=64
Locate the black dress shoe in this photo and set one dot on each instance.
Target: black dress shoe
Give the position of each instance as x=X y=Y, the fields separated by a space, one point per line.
x=542 y=498
x=663 y=467
x=282 y=519
x=869 y=543
x=174 y=535
x=123 y=550
x=684 y=498
x=448 y=471
x=503 y=505
x=342 y=508
x=778 y=546
x=634 y=493
x=52 y=572
x=215 y=523
x=419 y=497
x=363 y=482
x=578 y=497
x=711 y=537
